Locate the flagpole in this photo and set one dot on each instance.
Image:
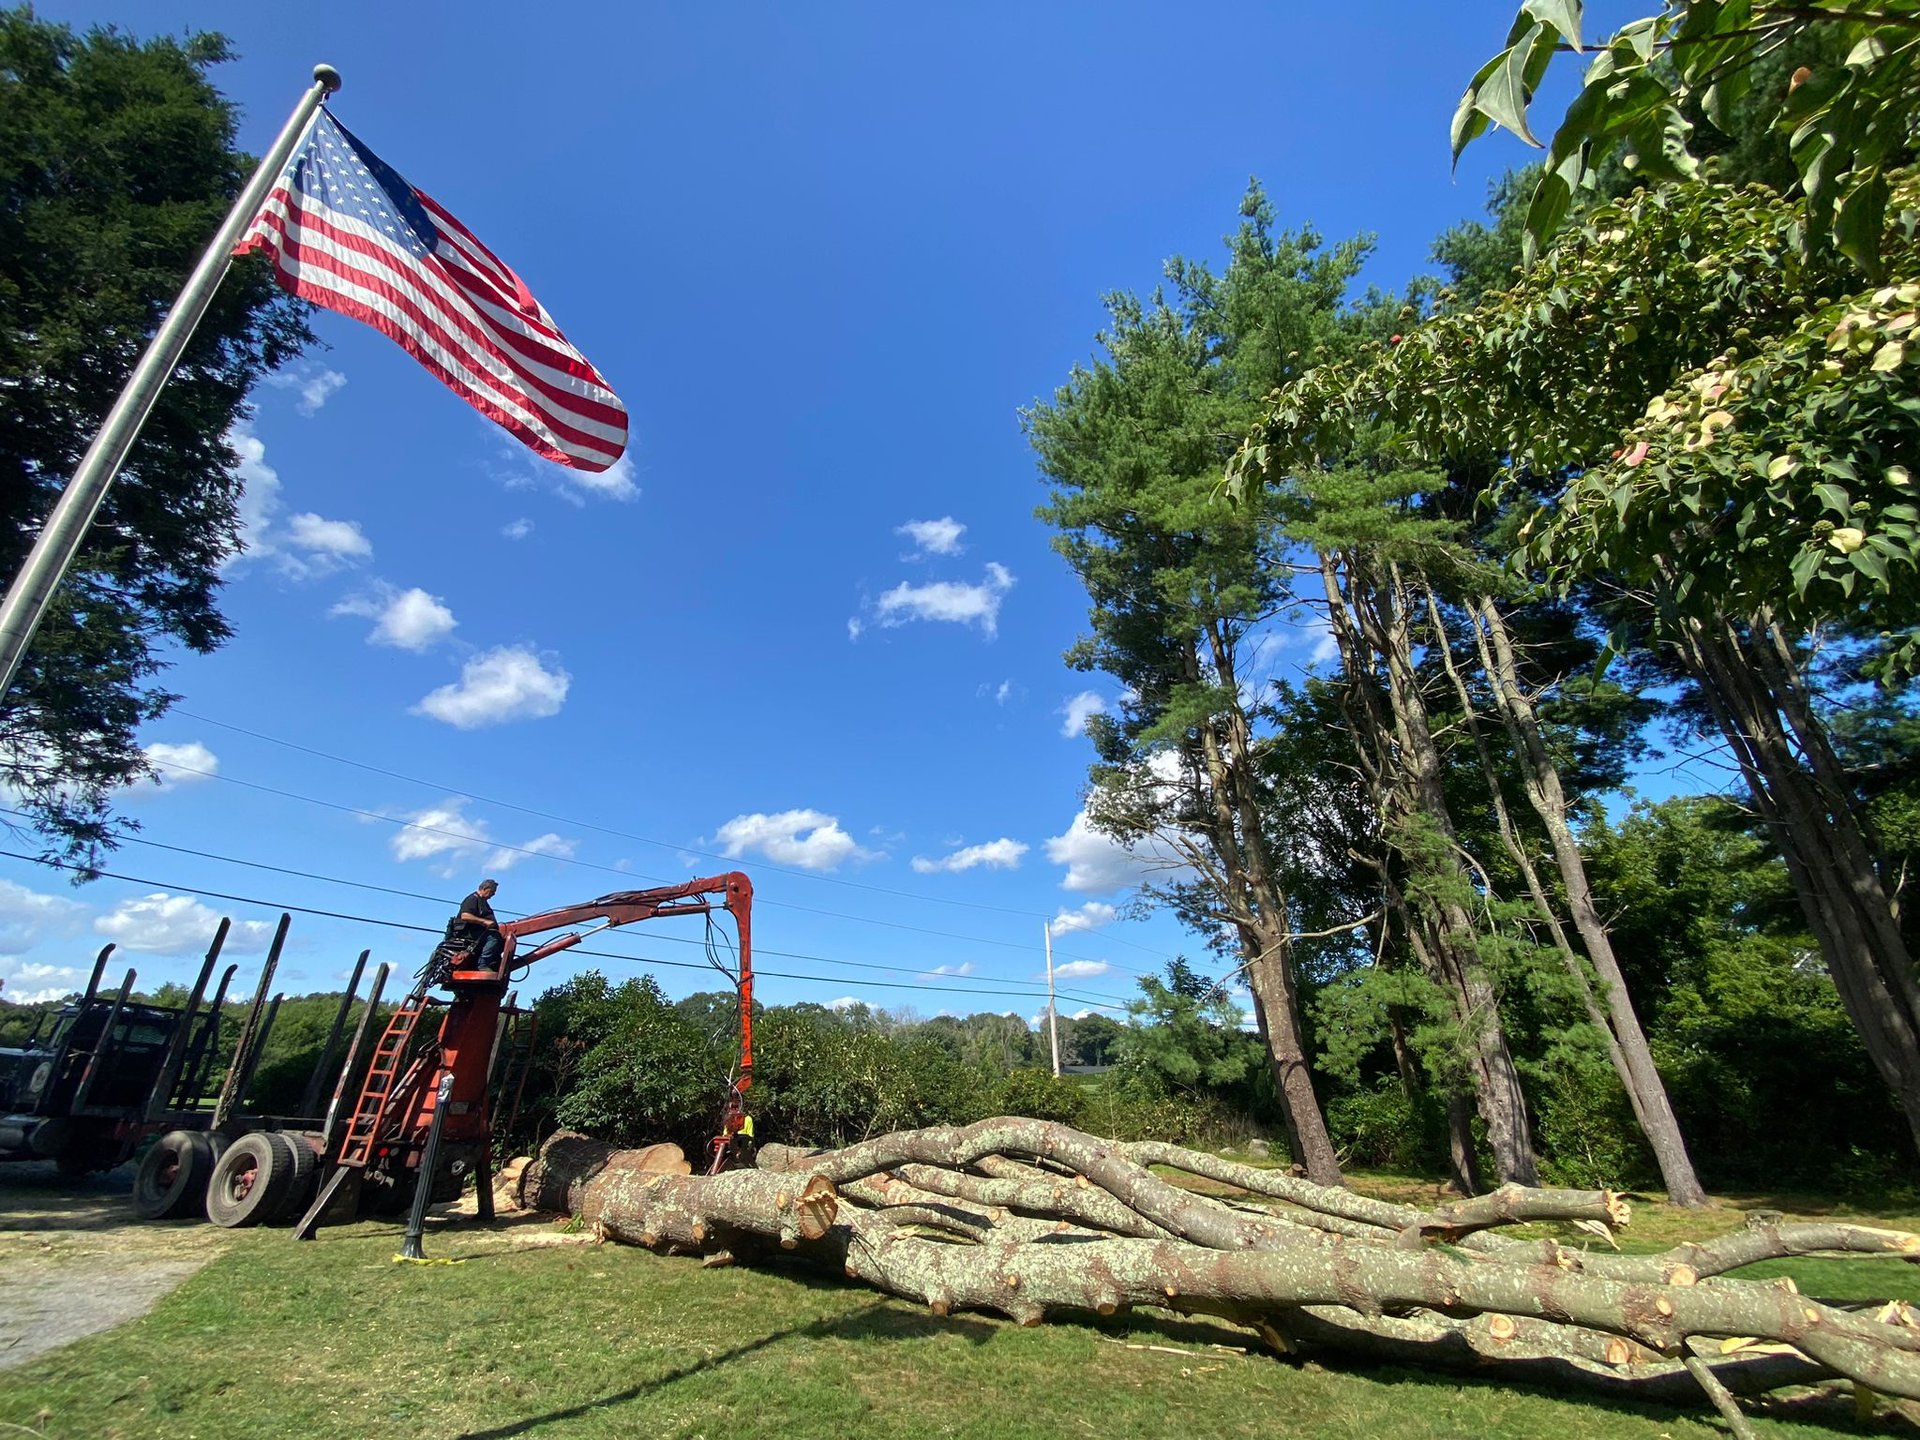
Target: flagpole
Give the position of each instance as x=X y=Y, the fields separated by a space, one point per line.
x=25 y=603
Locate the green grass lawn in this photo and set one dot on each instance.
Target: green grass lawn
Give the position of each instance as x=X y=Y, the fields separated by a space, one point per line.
x=332 y=1339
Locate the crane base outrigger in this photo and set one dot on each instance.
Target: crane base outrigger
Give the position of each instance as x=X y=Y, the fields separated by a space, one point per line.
x=384 y=1135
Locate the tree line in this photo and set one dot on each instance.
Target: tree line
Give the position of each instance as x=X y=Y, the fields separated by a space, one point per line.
x=1631 y=468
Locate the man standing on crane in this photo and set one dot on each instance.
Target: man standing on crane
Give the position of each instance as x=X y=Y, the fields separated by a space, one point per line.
x=483 y=931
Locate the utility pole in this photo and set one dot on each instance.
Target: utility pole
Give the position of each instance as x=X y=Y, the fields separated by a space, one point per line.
x=1053 y=1013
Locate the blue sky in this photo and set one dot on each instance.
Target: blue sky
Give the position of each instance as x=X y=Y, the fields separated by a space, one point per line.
x=810 y=629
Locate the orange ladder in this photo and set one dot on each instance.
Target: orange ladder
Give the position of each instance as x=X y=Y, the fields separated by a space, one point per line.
x=386 y=1081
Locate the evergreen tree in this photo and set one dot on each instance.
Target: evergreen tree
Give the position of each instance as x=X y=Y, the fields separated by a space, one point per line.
x=117 y=163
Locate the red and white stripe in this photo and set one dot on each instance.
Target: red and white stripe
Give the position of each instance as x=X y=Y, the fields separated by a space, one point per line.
x=460 y=311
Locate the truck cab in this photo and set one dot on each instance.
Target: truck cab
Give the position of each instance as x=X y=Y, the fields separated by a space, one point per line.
x=64 y=1093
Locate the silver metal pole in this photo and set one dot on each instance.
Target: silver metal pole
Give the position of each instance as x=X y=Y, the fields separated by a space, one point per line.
x=25 y=603
x=1053 y=1014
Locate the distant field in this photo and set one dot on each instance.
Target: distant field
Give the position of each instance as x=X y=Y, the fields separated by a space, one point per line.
x=538 y=1334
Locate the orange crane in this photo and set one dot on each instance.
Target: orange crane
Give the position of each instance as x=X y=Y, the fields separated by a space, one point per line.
x=377 y=1154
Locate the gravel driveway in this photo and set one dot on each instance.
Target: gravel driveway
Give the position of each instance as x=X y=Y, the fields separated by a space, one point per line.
x=74 y=1261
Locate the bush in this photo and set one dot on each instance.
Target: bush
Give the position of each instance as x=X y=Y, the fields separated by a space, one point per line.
x=1039 y=1094
x=1380 y=1129
x=622 y=1064
x=1588 y=1135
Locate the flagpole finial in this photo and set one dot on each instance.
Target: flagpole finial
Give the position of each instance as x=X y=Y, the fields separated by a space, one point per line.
x=328 y=76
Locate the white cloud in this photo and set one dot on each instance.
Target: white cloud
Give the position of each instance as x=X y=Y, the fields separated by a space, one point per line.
x=31 y=983
x=405 y=619
x=328 y=539
x=313 y=388
x=965 y=967
x=1325 y=647
x=507 y=683
x=1002 y=854
x=517 y=468
x=616 y=482
x=438 y=830
x=177 y=765
x=1099 y=865
x=806 y=839
x=854 y=627
x=935 y=537
x=1090 y=916
x=557 y=846
x=845 y=1002
x=454 y=841
x=1075 y=711
x=260 y=492
x=28 y=917
x=948 y=600
x=1000 y=692
x=1080 y=969
x=517 y=529
x=305 y=547
x=163 y=924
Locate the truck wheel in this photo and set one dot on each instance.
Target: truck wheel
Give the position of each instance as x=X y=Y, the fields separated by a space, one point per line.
x=172 y=1179
x=250 y=1181
x=300 y=1188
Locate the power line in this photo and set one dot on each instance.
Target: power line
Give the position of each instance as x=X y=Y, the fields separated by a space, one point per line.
x=1023 y=994
x=438 y=900
x=466 y=838
x=638 y=839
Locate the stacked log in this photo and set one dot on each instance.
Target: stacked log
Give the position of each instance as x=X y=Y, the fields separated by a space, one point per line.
x=1030 y=1220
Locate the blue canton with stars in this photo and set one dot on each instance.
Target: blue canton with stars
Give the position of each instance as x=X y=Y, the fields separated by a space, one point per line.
x=336 y=172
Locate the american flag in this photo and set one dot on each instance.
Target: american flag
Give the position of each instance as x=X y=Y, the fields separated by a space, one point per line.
x=344 y=230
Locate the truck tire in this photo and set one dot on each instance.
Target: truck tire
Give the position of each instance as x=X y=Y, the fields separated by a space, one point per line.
x=172 y=1179
x=300 y=1188
x=251 y=1180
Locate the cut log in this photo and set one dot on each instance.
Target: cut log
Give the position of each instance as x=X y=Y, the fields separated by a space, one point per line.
x=1075 y=1224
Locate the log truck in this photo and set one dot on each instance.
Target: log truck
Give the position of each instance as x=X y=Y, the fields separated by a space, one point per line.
x=376 y=1156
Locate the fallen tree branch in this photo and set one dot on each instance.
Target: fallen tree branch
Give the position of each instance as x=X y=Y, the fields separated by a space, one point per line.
x=1514 y=1205
x=912 y=1215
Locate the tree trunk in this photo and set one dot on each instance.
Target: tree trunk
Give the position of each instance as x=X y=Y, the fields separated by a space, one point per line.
x=1258 y=903
x=1795 y=782
x=1627 y=1042
x=1374 y=610
x=1325 y=1268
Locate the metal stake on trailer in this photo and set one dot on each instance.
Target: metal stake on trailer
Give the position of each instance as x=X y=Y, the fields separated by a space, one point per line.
x=310 y=1098
x=103 y=1045
x=241 y=1069
x=206 y=1045
x=162 y=1097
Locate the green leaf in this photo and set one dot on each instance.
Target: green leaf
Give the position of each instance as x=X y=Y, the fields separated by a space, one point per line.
x=1468 y=123
x=1562 y=15
x=1834 y=498
x=1615 y=646
x=1637 y=41
x=1805 y=566
x=1860 y=220
x=1871 y=563
x=1503 y=97
x=1723 y=97
x=1866 y=53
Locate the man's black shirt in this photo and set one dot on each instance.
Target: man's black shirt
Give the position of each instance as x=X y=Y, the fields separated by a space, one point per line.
x=476 y=904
